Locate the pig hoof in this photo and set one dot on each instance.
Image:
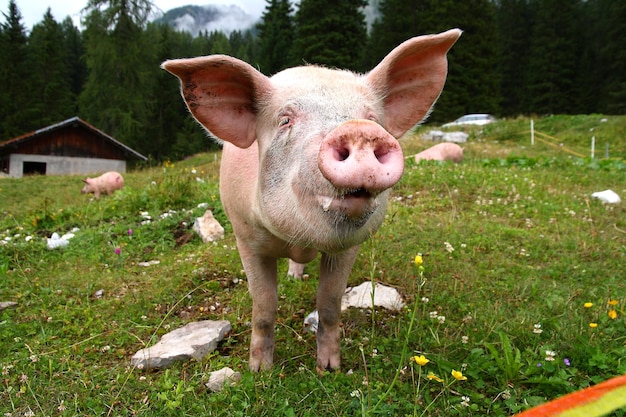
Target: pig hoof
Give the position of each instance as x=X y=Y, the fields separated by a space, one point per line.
x=260 y=363
x=332 y=364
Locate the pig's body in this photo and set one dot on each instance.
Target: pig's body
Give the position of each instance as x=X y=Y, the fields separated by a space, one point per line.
x=309 y=157
x=107 y=183
x=442 y=152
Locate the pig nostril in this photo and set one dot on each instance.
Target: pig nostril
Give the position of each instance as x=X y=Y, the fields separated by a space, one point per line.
x=382 y=155
x=342 y=154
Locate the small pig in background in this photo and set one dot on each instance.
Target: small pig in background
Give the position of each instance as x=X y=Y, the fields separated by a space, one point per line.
x=107 y=183
x=309 y=158
x=442 y=152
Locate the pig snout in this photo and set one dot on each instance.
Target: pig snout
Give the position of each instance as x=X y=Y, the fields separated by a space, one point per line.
x=361 y=160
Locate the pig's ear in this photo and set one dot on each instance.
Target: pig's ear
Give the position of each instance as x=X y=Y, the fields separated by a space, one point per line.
x=411 y=78
x=222 y=93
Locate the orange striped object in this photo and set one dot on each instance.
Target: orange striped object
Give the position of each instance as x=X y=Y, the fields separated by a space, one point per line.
x=594 y=401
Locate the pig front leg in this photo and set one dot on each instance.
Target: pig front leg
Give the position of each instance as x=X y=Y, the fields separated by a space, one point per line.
x=262 y=285
x=334 y=272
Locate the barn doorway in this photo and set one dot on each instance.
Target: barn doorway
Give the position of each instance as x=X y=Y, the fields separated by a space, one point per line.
x=34 y=168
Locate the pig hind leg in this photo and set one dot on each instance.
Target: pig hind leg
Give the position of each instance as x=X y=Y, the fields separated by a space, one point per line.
x=296 y=270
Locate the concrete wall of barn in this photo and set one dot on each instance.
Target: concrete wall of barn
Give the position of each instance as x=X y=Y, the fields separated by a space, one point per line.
x=62 y=165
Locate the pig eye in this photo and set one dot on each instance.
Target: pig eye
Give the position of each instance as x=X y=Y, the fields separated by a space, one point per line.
x=284 y=121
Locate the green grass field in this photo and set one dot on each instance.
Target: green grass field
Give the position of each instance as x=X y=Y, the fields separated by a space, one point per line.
x=514 y=252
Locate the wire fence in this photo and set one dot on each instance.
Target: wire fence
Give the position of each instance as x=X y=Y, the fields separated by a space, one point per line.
x=554 y=142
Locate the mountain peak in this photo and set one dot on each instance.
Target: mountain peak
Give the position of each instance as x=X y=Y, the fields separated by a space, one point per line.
x=211 y=17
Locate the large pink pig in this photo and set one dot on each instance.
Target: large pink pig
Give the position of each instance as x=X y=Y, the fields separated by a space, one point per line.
x=309 y=157
x=442 y=152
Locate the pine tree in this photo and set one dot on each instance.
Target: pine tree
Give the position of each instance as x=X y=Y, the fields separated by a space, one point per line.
x=276 y=32
x=472 y=85
x=75 y=50
x=52 y=99
x=398 y=21
x=553 y=64
x=514 y=34
x=15 y=76
x=117 y=97
x=613 y=58
x=330 y=32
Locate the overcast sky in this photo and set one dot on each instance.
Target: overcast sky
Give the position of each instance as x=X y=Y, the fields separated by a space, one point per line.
x=33 y=10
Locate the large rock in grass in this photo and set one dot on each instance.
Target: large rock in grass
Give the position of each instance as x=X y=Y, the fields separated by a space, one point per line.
x=195 y=340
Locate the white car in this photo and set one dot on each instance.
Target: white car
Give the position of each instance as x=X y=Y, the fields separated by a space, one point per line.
x=472 y=119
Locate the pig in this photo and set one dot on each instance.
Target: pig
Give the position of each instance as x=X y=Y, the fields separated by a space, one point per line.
x=107 y=183
x=442 y=152
x=309 y=157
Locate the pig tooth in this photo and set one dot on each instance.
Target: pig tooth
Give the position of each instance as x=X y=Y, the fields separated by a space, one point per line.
x=325 y=202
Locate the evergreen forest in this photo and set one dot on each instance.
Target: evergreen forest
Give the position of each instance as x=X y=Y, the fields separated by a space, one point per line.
x=516 y=57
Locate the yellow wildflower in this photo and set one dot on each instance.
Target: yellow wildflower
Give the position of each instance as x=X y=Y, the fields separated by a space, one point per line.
x=588 y=305
x=593 y=325
x=612 y=302
x=434 y=377
x=418 y=260
x=420 y=360
x=458 y=375
x=613 y=314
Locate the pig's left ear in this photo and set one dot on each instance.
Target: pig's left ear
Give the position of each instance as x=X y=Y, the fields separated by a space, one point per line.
x=411 y=78
x=222 y=93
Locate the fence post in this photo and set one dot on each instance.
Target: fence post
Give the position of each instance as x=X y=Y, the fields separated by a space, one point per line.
x=532 y=132
x=593 y=146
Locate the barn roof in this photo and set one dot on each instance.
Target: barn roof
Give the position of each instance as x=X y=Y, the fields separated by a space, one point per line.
x=69 y=122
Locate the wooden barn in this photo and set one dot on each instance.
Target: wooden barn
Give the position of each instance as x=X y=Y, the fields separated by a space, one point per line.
x=69 y=147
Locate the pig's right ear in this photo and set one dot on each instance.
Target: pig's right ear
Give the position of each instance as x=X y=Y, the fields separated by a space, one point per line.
x=222 y=93
x=410 y=78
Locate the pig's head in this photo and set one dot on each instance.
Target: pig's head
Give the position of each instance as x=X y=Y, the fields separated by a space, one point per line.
x=87 y=188
x=327 y=139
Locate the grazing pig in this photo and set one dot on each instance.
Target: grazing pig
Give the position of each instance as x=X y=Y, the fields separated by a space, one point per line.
x=442 y=152
x=309 y=157
x=107 y=183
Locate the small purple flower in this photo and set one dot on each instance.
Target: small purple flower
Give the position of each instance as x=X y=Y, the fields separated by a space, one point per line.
x=566 y=362
x=130 y=232
x=118 y=250
x=539 y=365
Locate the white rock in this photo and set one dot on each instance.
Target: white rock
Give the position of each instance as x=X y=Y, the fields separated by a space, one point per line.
x=208 y=228
x=607 y=196
x=56 y=242
x=361 y=297
x=195 y=340
x=441 y=136
x=218 y=379
x=7 y=304
x=311 y=322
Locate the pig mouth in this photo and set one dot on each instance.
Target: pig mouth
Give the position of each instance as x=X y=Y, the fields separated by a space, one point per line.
x=354 y=204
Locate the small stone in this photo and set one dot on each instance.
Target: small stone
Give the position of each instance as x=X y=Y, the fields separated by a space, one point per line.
x=607 y=196
x=7 y=304
x=224 y=376
x=208 y=228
